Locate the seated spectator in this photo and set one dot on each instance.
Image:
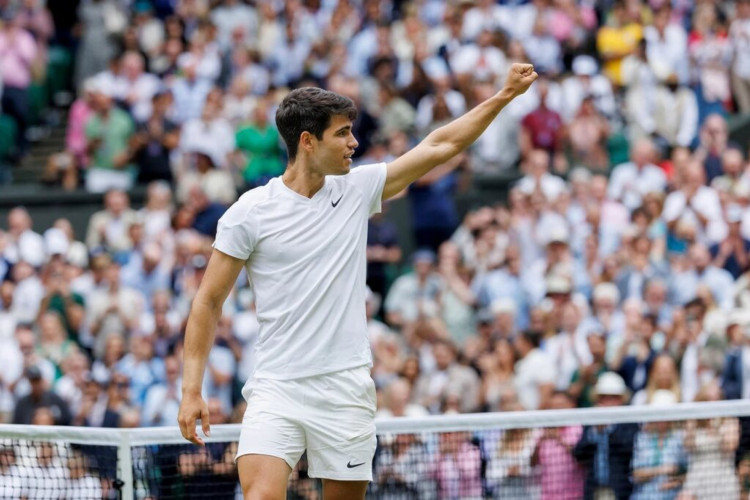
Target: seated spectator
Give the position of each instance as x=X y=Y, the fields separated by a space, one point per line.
x=457 y=467
x=605 y=452
x=259 y=141
x=108 y=134
x=617 y=40
x=154 y=141
x=732 y=254
x=396 y=397
x=695 y=202
x=711 y=446
x=449 y=377
x=543 y=129
x=497 y=369
x=401 y=470
x=18 y=52
x=631 y=181
x=585 y=378
x=21 y=241
x=136 y=88
x=162 y=399
x=210 y=133
x=510 y=472
x=410 y=293
x=587 y=81
x=535 y=372
x=658 y=456
x=561 y=476
x=587 y=137
x=40 y=397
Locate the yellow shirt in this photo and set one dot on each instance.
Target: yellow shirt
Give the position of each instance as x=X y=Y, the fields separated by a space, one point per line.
x=621 y=42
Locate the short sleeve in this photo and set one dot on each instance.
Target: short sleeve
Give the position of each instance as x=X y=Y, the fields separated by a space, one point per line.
x=370 y=180
x=237 y=232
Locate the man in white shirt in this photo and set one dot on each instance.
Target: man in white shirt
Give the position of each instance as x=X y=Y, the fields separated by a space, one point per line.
x=632 y=180
x=302 y=239
x=535 y=372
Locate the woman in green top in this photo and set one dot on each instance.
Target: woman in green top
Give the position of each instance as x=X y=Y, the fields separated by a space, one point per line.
x=259 y=140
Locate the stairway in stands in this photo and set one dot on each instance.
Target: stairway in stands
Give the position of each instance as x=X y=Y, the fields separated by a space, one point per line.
x=33 y=164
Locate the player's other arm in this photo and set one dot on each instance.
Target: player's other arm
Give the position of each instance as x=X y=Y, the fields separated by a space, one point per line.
x=449 y=140
x=217 y=282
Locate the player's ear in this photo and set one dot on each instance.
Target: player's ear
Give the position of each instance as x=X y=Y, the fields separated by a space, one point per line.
x=307 y=141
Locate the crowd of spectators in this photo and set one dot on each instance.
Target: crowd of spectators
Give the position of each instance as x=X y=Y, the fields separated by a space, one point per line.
x=615 y=273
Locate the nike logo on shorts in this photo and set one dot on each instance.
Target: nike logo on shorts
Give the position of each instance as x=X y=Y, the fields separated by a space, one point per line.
x=350 y=465
x=334 y=203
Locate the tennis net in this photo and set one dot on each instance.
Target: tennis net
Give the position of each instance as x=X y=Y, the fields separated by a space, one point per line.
x=686 y=451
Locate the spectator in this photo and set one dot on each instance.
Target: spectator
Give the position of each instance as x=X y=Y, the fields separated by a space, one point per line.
x=543 y=129
x=605 y=452
x=587 y=137
x=23 y=243
x=108 y=134
x=40 y=397
x=711 y=445
x=457 y=467
x=561 y=476
x=663 y=376
x=162 y=399
x=259 y=140
x=154 y=141
x=616 y=41
x=449 y=378
x=535 y=372
x=631 y=181
x=731 y=254
x=18 y=53
x=739 y=34
x=100 y=19
x=584 y=379
x=657 y=474
x=411 y=293
x=210 y=134
x=497 y=368
x=510 y=471
x=396 y=397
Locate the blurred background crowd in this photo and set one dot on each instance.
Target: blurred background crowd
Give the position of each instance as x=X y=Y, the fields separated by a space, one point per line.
x=621 y=249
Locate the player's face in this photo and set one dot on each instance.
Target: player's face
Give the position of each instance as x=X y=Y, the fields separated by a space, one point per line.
x=337 y=146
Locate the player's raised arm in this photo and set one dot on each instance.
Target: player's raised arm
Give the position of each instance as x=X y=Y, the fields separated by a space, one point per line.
x=447 y=141
x=217 y=282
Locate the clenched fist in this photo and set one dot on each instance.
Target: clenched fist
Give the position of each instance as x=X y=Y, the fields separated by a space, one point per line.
x=520 y=78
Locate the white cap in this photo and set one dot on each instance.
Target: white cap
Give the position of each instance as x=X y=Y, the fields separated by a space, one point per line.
x=663 y=397
x=610 y=384
x=503 y=305
x=557 y=284
x=56 y=242
x=584 y=65
x=557 y=234
x=606 y=291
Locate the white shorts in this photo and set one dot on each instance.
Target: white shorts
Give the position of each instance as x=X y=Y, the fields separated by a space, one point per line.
x=332 y=416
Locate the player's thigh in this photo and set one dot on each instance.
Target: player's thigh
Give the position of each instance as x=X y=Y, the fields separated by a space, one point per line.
x=344 y=490
x=340 y=426
x=263 y=477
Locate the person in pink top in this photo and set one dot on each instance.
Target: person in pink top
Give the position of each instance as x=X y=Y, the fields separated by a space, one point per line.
x=458 y=467
x=561 y=476
x=17 y=53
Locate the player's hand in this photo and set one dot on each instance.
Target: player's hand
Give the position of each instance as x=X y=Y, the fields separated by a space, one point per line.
x=192 y=408
x=520 y=78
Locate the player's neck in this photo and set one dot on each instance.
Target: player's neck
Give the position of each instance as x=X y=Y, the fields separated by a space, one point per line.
x=302 y=179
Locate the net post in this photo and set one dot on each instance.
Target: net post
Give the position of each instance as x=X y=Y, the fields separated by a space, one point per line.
x=125 y=464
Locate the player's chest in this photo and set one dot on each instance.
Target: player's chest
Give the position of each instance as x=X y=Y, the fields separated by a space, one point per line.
x=312 y=231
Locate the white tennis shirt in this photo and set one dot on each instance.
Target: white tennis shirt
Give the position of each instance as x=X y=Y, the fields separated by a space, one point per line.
x=306 y=261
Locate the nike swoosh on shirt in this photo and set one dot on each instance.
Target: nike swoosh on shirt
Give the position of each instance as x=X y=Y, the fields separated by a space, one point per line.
x=349 y=464
x=334 y=203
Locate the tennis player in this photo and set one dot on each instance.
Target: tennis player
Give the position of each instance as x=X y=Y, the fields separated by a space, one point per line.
x=302 y=238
